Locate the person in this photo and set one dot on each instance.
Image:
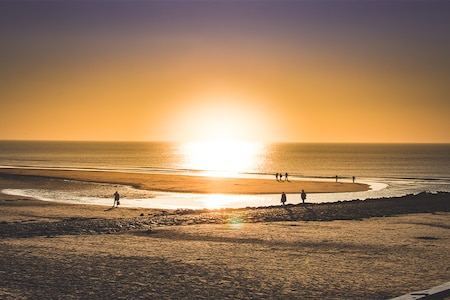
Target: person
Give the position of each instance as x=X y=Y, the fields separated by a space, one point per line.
x=281 y=177
x=116 y=199
x=303 y=195
x=286 y=177
x=336 y=178
x=276 y=175
x=353 y=178
x=283 y=198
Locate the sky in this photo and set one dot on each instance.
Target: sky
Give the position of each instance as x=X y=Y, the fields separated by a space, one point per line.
x=252 y=70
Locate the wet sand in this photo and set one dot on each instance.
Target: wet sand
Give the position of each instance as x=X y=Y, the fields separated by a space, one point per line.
x=182 y=183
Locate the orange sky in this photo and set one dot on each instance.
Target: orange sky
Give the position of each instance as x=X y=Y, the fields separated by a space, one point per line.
x=273 y=71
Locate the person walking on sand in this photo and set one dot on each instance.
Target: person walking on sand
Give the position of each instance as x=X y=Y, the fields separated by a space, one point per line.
x=283 y=198
x=303 y=195
x=353 y=178
x=276 y=175
x=116 y=199
x=281 y=177
x=286 y=177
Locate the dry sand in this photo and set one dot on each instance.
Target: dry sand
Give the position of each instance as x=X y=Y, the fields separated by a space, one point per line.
x=373 y=249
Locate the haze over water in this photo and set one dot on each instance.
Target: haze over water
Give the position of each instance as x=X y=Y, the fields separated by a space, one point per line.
x=396 y=169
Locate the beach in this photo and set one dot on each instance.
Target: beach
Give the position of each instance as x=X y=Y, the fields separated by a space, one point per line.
x=181 y=183
x=372 y=249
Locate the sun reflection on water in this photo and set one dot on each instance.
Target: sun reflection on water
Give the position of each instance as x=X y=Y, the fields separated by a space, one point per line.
x=222 y=158
x=215 y=201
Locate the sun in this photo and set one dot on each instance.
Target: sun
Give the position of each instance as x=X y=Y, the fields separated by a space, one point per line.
x=222 y=134
x=224 y=118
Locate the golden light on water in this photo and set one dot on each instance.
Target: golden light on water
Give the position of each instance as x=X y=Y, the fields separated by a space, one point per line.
x=216 y=201
x=221 y=158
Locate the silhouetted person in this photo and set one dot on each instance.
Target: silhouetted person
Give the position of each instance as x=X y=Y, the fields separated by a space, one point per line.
x=283 y=198
x=353 y=178
x=303 y=195
x=281 y=177
x=116 y=199
x=286 y=176
x=336 y=178
x=276 y=175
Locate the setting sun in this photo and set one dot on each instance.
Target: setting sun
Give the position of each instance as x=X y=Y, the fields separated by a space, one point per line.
x=266 y=71
x=229 y=149
x=221 y=118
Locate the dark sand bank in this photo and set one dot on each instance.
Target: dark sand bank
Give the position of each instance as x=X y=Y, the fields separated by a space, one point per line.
x=47 y=218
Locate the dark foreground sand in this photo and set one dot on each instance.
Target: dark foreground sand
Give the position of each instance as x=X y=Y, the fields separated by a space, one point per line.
x=373 y=249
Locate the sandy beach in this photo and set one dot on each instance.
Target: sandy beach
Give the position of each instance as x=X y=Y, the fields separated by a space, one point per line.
x=183 y=183
x=372 y=249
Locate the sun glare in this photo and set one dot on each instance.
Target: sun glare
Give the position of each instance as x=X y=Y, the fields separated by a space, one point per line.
x=222 y=134
x=221 y=117
x=221 y=158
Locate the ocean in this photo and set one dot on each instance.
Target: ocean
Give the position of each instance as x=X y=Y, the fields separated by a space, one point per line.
x=390 y=169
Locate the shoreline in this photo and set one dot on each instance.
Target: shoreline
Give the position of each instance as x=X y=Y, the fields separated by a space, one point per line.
x=183 y=183
x=80 y=217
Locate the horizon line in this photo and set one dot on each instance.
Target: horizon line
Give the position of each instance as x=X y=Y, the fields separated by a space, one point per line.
x=173 y=141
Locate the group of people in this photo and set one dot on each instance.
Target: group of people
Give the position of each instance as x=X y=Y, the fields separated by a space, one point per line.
x=284 y=197
x=353 y=178
x=279 y=177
